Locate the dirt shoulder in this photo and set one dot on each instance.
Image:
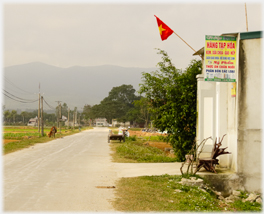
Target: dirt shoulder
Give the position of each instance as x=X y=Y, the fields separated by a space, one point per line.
x=140 y=133
x=160 y=145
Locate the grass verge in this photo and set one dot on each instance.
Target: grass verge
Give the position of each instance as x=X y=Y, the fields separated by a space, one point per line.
x=35 y=138
x=133 y=150
x=135 y=129
x=157 y=138
x=157 y=194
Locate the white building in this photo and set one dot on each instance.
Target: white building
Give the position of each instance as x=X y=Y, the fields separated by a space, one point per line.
x=101 y=122
x=33 y=121
x=63 y=118
x=239 y=114
x=115 y=123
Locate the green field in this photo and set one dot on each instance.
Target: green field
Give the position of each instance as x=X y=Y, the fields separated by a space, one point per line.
x=16 y=138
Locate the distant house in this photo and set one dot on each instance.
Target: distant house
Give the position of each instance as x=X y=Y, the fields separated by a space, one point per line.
x=115 y=123
x=69 y=123
x=63 y=118
x=101 y=122
x=126 y=124
x=33 y=122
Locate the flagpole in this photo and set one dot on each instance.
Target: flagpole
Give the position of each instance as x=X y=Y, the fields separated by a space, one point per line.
x=184 y=41
x=168 y=31
x=246 y=16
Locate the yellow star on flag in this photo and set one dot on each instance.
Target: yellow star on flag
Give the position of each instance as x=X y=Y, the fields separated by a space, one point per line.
x=161 y=29
x=164 y=30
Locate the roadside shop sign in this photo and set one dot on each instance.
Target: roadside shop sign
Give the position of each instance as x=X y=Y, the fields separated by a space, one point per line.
x=220 y=58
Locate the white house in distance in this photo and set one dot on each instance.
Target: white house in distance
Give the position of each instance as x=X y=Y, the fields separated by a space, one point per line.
x=63 y=118
x=101 y=122
x=70 y=123
x=115 y=123
x=33 y=121
x=235 y=109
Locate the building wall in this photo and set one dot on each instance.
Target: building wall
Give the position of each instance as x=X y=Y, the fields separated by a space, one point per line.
x=116 y=124
x=212 y=116
x=237 y=116
x=249 y=140
x=101 y=122
x=222 y=120
x=33 y=122
x=232 y=108
x=206 y=107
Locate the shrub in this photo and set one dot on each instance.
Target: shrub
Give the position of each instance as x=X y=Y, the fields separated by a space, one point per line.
x=172 y=94
x=131 y=138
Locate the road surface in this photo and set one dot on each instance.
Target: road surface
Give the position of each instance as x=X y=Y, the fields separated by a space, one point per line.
x=63 y=174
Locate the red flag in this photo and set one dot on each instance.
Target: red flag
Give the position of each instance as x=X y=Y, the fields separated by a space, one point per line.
x=164 y=30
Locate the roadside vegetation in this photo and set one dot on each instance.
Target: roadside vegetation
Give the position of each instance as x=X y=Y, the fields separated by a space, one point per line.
x=165 y=194
x=137 y=150
x=16 y=138
x=171 y=96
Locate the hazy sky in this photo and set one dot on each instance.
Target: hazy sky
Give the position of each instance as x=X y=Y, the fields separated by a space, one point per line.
x=87 y=33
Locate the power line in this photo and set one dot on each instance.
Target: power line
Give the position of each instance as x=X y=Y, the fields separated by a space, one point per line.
x=14 y=90
x=49 y=104
x=7 y=80
x=22 y=99
x=19 y=100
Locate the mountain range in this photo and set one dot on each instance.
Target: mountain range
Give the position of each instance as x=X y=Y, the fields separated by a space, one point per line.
x=75 y=85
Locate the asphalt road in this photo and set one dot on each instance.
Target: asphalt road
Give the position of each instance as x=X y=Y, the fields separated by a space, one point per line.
x=63 y=174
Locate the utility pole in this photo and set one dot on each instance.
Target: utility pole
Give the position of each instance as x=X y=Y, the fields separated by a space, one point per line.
x=73 y=123
x=58 y=113
x=68 y=117
x=60 y=116
x=39 y=111
x=76 y=118
x=42 y=120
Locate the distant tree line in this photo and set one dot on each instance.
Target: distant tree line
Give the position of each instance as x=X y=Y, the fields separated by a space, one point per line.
x=11 y=117
x=121 y=104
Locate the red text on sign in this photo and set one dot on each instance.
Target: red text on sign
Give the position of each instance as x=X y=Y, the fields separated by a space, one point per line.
x=222 y=44
x=231 y=45
x=212 y=45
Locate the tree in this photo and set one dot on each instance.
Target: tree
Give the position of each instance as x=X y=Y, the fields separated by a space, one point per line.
x=120 y=101
x=172 y=94
x=7 y=116
x=64 y=110
x=143 y=110
x=23 y=114
x=87 y=112
x=116 y=105
x=133 y=115
x=14 y=114
x=50 y=119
